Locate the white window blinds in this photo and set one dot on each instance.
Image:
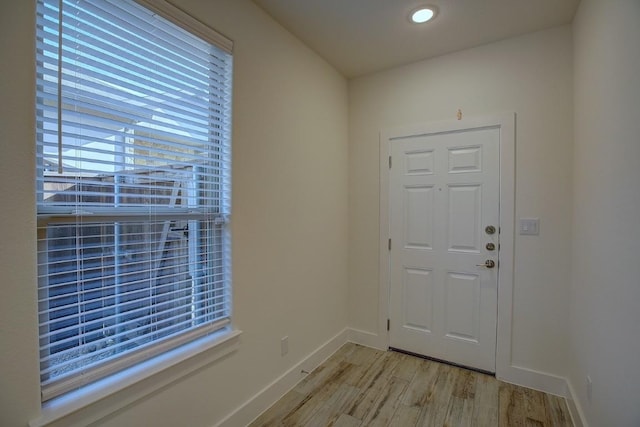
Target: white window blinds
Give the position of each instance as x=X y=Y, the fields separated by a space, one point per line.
x=133 y=187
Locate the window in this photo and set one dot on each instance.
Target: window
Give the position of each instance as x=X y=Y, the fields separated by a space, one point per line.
x=133 y=186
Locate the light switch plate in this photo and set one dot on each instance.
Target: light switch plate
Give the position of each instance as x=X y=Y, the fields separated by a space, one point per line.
x=529 y=226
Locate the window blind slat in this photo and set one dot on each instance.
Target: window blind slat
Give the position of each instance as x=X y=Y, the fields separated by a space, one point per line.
x=161 y=146
x=131 y=314
x=139 y=324
x=108 y=300
x=141 y=28
x=81 y=69
x=106 y=256
x=129 y=100
x=135 y=315
x=97 y=39
x=85 y=74
x=138 y=280
x=126 y=113
x=134 y=22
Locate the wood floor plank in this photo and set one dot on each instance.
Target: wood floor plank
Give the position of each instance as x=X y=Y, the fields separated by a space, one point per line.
x=465 y=384
x=274 y=415
x=557 y=411
x=486 y=401
x=363 y=387
x=364 y=356
x=345 y=351
x=330 y=410
x=386 y=403
x=405 y=416
x=534 y=407
x=336 y=362
x=406 y=367
x=372 y=384
x=318 y=396
x=345 y=420
x=422 y=384
x=461 y=403
x=511 y=411
x=529 y=422
x=331 y=370
x=437 y=406
x=458 y=412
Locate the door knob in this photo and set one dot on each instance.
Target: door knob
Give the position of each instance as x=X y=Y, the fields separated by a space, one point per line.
x=488 y=263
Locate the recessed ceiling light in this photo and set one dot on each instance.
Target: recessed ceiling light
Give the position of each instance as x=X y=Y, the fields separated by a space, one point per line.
x=423 y=15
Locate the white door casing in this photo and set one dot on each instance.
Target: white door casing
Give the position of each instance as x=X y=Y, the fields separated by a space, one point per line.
x=454 y=178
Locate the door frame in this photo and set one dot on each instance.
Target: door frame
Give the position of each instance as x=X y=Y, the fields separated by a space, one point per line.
x=506 y=123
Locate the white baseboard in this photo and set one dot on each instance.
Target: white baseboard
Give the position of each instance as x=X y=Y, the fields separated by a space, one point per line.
x=536 y=380
x=261 y=401
x=368 y=339
x=577 y=415
x=549 y=384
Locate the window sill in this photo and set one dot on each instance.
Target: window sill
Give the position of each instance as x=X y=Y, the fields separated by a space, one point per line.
x=216 y=346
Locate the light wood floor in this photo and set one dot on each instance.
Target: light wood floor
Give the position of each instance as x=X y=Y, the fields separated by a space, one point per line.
x=360 y=386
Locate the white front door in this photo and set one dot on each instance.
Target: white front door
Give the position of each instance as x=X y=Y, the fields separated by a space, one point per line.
x=443 y=204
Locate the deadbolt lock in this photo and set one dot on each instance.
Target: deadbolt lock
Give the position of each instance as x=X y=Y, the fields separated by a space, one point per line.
x=490 y=229
x=491 y=247
x=488 y=264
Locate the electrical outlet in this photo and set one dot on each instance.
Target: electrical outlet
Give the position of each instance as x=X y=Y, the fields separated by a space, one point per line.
x=284 y=345
x=589 y=384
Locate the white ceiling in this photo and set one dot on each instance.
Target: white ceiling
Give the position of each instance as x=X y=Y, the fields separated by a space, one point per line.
x=363 y=36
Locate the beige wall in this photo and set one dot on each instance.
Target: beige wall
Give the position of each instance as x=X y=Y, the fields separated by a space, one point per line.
x=289 y=219
x=605 y=294
x=529 y=75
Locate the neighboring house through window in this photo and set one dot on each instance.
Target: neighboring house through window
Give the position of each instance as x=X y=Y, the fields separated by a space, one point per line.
x=133 y=187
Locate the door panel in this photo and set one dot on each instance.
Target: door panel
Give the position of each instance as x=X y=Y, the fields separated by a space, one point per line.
x=462 y=296
x=417 y=297
x=464 y=215
x=418 y=221
x=443 y=192
x=466 y=159
x=419 y=162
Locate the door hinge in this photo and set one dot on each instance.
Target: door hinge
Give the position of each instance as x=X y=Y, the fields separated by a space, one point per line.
x=389 y=162
x=388 y=324
x=389 y=244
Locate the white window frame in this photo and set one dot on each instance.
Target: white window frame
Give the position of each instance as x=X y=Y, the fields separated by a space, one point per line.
x=216 y=344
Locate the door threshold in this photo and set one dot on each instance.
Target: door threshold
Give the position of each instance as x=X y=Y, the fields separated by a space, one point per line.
x=446 y=362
